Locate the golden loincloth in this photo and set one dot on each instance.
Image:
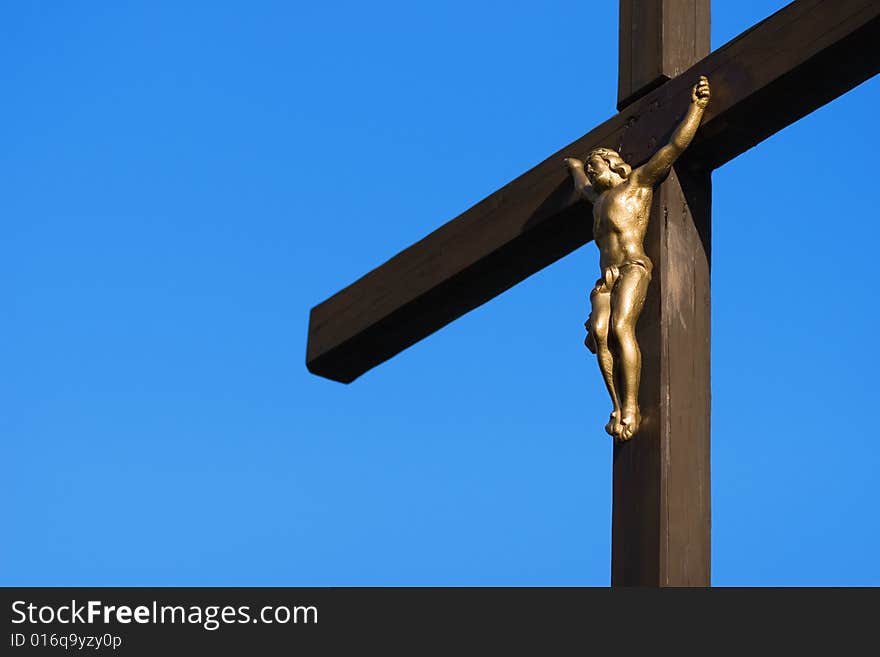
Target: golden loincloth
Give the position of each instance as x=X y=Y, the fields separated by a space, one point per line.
x=611 y=274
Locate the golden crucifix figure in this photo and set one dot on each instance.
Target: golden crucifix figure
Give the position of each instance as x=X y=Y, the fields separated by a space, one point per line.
x=621 y=201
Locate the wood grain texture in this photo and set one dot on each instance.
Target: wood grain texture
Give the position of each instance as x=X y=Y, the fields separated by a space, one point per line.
x=661 y=517
x=800 y=58
x=661 y=513
x=646 y=27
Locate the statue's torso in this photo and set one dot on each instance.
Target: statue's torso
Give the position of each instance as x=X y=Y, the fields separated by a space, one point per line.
x=620 y=220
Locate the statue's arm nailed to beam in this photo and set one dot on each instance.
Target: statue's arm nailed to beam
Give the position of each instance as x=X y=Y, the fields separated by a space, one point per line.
x=655 y=169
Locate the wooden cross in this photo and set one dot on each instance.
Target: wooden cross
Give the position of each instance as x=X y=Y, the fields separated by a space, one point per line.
x=795 y=61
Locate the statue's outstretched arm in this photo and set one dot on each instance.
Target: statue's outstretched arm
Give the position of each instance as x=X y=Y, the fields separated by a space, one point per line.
x=655 y=169
x=581 y=182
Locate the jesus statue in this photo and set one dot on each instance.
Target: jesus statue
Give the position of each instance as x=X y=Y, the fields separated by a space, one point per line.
x=621 y=199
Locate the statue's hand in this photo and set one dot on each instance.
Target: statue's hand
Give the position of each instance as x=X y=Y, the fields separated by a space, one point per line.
x=701 y=93
x=573 y=163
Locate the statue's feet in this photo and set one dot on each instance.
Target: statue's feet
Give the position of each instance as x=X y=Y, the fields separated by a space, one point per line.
x=629 y=424
x=613 y=426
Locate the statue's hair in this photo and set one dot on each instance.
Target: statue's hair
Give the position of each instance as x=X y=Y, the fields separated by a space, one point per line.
x=615 y=162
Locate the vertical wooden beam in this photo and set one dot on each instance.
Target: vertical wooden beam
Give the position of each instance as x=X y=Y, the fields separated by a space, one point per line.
x=661 y=520
x=659 y=39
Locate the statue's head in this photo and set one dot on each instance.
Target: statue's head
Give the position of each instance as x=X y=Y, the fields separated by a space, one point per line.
x=606 y=169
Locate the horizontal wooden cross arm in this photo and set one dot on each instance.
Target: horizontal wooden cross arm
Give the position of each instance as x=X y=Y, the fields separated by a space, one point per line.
x=798 y=59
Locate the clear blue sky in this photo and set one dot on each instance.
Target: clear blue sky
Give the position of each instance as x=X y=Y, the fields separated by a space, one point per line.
x=182 y=181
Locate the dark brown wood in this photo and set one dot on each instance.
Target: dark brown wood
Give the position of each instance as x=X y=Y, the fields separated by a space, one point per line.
x=661 y=518
x=762 y=81
x=661 y=513
x=659 y=39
